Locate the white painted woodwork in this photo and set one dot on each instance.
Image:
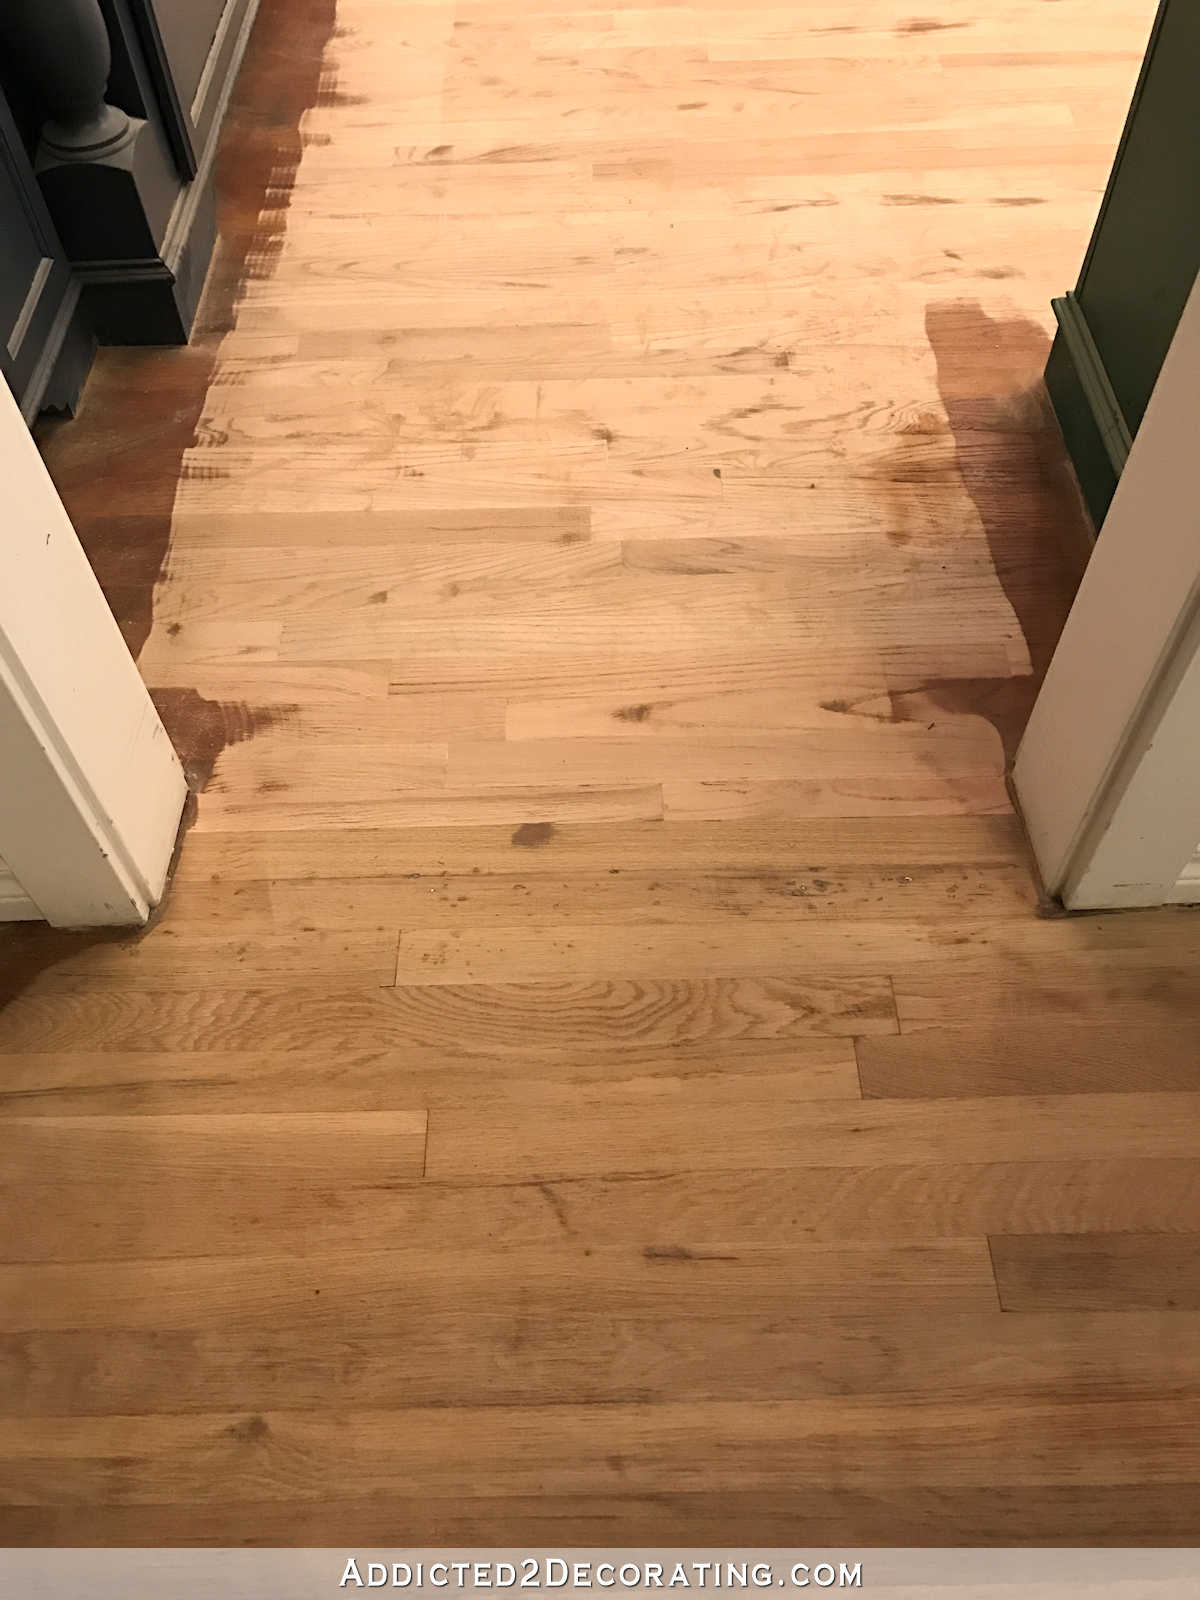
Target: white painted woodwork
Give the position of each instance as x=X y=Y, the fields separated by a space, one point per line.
x=1187 y=888
x=91 y=791
x=1108 y=773
x=15 y=904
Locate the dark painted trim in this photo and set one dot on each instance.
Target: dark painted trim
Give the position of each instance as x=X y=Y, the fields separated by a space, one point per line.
x=142 y=288
x=175 y=118
x=1081 y=431
x=51 y=327
x=220 y=69
x=27 y=315
x=57 y=380
x=1094 y=381
x=154 y=300
x=1094 y=427
x=142 y=72
x=192 y=230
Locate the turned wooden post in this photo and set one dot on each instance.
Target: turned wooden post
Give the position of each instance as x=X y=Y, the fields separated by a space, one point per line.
x=108 y=178
x=137 y=227
x=64 y=47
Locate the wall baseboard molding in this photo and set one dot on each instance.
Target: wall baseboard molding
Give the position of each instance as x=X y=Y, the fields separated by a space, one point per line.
x=1093 y=426
x=65 y=361
x=153 y=300
x=207 y=110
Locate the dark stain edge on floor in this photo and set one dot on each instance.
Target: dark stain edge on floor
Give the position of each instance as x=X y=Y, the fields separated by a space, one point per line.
x=1022 y=452
x=141 y=413
x=1011 y=460
x=201 y=729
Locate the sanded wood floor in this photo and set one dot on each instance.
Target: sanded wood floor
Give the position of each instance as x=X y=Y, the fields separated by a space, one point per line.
x=603 y=1073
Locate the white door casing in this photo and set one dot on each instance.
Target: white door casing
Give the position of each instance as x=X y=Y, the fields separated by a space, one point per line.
x=91 y=792
x=1108 y=773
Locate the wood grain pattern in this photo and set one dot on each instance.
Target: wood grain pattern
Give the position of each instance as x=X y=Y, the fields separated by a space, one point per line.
x=603 y=1073
x=1093 y=1272
x=107 y=1153
x=62 y=1082
x=627 y=1135
x=379 y=1357
x=855 y=1441
x=769 y=846
x=246 y=1293
x=522 y=1020
x=1159 y=1514
x=149 y=1216
x=1047 y=1056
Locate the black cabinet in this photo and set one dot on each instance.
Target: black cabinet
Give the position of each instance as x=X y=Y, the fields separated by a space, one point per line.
x=45 y=341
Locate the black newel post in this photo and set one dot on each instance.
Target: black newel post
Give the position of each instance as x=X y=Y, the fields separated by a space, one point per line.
x=64 y=48
x=109 y=178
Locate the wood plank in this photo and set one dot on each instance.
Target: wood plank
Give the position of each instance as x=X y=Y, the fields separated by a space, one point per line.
x=213 y=958
x=296 y=582
x=268 y=773
x=890 y=1514
x=525 y=1020
x=92 y=1082
x=537 y=524
x=632 y=674
x=1098 y=1272
x=940 y=973
x=314 y=701
x=827 y=1134
x=597 y=1450
x=161 y=1151
x=1093 y=950
x=904 y=753
x=289 y=808
x=621 y=897
x=1049 y=1056
x=670 y=1211
x=804 y=801
x=503 y=1357
x=402 y=1286
x=1126 y=988
x=902 y=844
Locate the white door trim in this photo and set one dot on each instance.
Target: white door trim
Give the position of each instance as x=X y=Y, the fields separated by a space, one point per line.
x=91 y=792
x=15 y=904
x=1108 y=773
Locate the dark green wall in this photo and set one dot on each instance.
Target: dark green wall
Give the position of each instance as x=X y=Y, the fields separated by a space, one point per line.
x=1140 y=266
x=1145 y=251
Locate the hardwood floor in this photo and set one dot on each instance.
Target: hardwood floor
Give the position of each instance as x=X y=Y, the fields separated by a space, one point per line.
x=603 y=1073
